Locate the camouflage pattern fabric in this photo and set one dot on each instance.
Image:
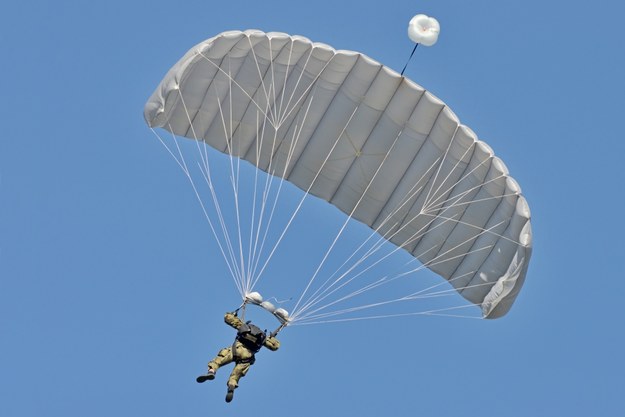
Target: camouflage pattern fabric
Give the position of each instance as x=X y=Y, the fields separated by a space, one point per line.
x=244 y=357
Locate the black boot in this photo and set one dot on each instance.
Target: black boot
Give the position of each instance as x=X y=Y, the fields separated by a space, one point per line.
x=229 y=394
x=210 y=375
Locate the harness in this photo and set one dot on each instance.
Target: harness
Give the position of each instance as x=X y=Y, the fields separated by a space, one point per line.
x=250 y=336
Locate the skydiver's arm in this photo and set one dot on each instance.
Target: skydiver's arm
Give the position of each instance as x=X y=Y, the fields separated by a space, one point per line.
x=231 y=319
x=272 y=343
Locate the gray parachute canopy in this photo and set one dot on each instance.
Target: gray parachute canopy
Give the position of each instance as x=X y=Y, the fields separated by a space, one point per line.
x=355 y=133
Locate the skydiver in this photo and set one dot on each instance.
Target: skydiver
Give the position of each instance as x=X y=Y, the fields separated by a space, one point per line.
x=249 y=340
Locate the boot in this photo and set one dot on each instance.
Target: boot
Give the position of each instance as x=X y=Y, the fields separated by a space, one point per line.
x=229 y=394
x=210 y=375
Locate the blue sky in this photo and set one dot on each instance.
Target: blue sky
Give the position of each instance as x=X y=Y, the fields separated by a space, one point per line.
x=112 y=292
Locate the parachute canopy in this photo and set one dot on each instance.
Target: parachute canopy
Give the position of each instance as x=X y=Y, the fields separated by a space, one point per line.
x=376 y=145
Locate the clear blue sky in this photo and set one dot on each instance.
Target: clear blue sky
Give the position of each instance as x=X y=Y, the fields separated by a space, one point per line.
x=111 y=291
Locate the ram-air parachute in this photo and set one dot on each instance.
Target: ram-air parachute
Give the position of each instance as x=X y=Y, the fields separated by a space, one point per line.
x=376 y=145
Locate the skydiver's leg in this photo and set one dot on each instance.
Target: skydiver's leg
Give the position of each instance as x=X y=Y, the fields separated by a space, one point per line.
x=239 y=371
x=224 y=357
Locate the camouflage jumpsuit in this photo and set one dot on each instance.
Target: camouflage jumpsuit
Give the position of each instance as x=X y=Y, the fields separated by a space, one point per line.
x=244 y=356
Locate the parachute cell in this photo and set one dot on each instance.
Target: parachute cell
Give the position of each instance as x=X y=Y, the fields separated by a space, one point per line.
x=376 y=145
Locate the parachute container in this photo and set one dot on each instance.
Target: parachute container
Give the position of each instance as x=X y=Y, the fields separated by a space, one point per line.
x=254 y=298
